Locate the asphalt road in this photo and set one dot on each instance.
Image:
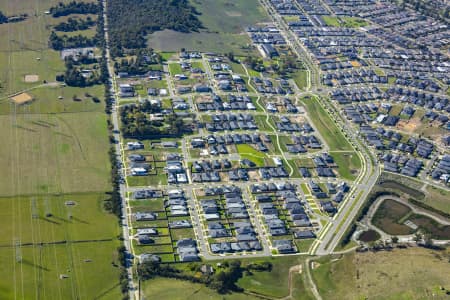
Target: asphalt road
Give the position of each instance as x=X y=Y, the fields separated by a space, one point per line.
x=125 y=223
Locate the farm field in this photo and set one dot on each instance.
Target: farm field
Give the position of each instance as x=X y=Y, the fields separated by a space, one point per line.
x=47 y=100
x=47 y=153
x=413 y=273
x=46 y=219
x=55 y=150
x=224 y=26
x=25 y=50
x=41 y=272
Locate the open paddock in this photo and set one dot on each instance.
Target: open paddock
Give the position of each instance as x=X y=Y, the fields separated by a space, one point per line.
x=60 y=271
x=45 y=153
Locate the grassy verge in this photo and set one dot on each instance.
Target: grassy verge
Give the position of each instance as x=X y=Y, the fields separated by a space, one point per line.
x=327 y=128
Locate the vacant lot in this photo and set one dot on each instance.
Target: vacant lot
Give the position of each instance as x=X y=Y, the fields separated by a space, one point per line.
x=169 y=40
x=348 y=163
x=401 y=274
x=274 y=283
x=163 y=288
x=62 y=153
x=224 y=23
x=248 y=152
x=350 y=22
x=438 y=199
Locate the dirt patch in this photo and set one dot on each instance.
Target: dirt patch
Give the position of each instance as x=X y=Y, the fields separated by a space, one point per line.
x=409 y=126
x=314 y=265
x=354 y=63
x=22 y=98
x=31 y=78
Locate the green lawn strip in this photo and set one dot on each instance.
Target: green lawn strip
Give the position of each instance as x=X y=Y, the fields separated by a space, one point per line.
x=301 y=78
x=175 y=68
x=155 y=249
x=304 y=245
x=305 y=189
x=247 y=151
x=327 y=128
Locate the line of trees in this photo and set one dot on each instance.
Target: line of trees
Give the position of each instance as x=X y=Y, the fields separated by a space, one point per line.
x=12 y=19
x=131 y=21
x=75 y=24
x=73 y=7
x=64 y=42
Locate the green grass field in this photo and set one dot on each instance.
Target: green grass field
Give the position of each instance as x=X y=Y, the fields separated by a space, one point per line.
x=55 y=150
x=438 y=199
x=46 y=100
x=224 y=21
x=45 y=153
x=169 y=40
x=163 y=288
x=332 y=135
x=349 y=164
x=25 y=217
x=344 y=21
x=247 y=151
x=301 y=78
x=273 y=283
x=229 y=16
x=85 y=237
x=88 y=266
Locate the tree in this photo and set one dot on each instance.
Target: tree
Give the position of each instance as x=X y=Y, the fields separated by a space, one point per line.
x=3 y=18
